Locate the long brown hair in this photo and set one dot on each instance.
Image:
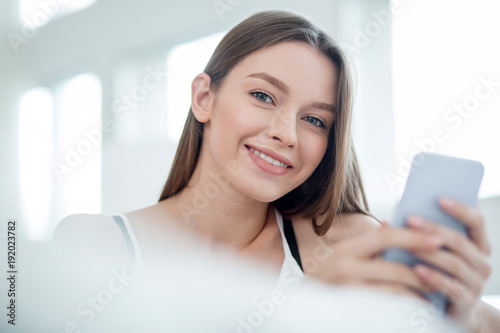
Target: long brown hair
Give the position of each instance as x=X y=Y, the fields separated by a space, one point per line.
x=335 y=186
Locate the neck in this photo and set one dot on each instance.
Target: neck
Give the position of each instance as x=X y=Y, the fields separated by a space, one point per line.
x=217 y=211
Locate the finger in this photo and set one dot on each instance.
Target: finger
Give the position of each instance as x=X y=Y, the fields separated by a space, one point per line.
x=454 y=266
x=389 y=272
x=455 y=242
x=370 y=243
x=437 y=281
x=472 y=218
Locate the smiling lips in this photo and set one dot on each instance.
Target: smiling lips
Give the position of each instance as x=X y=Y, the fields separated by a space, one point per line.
x=269 y=161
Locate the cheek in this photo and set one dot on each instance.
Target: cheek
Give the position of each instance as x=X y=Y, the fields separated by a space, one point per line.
x=231 y=122
x=314 y=148
x=238 y=118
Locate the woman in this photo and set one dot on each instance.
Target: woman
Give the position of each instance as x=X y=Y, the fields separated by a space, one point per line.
x=268 y=136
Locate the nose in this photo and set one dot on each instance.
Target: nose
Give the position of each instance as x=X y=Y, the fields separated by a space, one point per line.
x=283 y=128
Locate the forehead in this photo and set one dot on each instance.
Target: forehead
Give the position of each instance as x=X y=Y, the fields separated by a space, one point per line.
x=306 y=71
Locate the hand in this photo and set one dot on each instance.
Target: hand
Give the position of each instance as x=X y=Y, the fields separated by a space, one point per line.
x=465 y=260
x=355 y=261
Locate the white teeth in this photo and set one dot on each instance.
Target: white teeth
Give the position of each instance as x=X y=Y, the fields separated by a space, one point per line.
x=268 y=159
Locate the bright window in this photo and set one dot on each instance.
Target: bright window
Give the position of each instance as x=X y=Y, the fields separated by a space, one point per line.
x=35 y=153
x=79 y=144
x=447 y=83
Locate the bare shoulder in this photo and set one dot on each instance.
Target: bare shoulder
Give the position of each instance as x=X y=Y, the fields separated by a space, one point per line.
x=354 y=223
x=155 y=221
x=344 y=226
x=153 y=215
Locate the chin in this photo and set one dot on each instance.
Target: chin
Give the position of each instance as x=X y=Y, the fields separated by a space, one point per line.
x=261 y=195
x=267 y=199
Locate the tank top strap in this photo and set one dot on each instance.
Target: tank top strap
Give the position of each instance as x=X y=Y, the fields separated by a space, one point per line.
x=134 y=250
x=288 y=248
x=292 y=241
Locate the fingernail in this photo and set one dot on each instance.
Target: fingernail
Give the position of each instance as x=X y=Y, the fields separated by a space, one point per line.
x=422 y=270
x=447 y=203
x=415 y=221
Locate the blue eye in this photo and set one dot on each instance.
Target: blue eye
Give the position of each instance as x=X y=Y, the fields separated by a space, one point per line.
x=315 y=121
x=262 y=97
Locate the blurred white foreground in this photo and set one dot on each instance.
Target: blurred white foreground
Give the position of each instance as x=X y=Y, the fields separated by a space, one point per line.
x=189 y=290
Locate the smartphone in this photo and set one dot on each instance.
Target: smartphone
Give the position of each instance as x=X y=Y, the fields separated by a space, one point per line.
x=433 y=176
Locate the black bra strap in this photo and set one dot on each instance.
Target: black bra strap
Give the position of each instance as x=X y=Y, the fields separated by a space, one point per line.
x=292 y=242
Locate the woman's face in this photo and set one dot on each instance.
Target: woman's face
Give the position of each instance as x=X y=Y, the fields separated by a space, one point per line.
x=271 y=119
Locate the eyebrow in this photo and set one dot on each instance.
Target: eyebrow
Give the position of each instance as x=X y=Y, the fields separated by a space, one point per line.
x=272 y=80
x=325 y=106
x=284 y=88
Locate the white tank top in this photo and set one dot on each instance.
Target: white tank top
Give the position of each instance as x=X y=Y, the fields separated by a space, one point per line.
x=290 y=275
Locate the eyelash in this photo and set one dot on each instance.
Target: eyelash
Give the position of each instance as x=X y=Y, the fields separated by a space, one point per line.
x=321 y=122
x=254 y=93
